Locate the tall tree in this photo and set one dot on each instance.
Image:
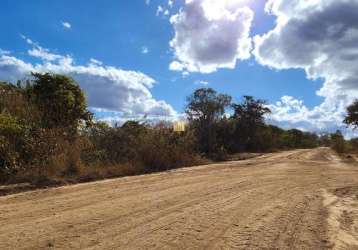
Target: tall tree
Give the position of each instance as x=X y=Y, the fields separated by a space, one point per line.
x=207 y=105
x=249 y=116
x=352 y=115
x=251 y=111
x=61 y=101
x=204 y=108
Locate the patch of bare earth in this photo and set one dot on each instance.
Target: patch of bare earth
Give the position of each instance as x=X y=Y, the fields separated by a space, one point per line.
x=343 y=217
x=274 y=201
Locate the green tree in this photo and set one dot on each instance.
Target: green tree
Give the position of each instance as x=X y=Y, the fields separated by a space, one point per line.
x=352 y=115
x=60 y=100
x=15 y=102
x=249 y=116
x=338 y=142
x=205 y=107
x=13 y=145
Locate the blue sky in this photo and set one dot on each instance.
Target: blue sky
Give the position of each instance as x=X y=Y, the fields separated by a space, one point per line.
x=117 y=33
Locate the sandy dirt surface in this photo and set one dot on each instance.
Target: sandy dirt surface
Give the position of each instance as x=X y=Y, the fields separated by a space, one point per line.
x=304 y=199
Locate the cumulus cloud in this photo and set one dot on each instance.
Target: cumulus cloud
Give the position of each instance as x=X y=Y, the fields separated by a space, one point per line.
x=321 y=37
x=145 y=50
x=67 y=25
x=39 y=52
x=211 y=34
x=43 y=54
x=293 y=111
x=108 y=88
x=117 y=118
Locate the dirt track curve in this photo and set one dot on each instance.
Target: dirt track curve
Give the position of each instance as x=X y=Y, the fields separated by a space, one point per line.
x=304 y=199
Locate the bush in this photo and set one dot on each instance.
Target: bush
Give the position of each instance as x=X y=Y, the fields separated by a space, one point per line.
x=151 y=148
x=338 y=142
x=163 y=149
x=13 y=145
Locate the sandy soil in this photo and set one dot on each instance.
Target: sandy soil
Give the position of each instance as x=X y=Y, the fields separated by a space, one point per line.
x=304 y=199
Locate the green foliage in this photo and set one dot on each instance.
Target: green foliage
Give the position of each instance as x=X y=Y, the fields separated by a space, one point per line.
x=352 y=115
x=42 y=134
x=244 y=131
x=251 y=111
x=206 y=105
x=152 y=148
x=10 y=126
x=14 y=101
x=60 y=100
x=37 y=118
x=338 y=142
x=249 y=119
x=163 y=149
x=294 y=138
x=13 y=144
x=204 y=108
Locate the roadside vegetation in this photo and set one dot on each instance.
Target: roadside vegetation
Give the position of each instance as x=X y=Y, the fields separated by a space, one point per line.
x=338 y=143
x=48 y=136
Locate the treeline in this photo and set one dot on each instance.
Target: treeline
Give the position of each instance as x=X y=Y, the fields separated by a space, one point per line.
x=337 y=142
x=48 y=134
x=222 y=127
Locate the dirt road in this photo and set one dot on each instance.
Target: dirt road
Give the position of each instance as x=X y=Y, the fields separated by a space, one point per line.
x=304 y=199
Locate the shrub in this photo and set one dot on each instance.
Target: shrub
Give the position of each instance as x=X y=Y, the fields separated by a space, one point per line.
x=13 y=145
x=338 y=142
x=163 y=149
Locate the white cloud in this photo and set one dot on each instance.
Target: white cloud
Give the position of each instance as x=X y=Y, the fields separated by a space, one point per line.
x=27 y=40
x=170 y=3
x=176 y=66
x=147 y=2
x=117 y=118
x=4 y=52
x=320 y=37
x=162 y=11
x=107 y=88
x=95 y=62
x=293 y=111
x=13 y=69
x=43 y=54
x=67 y=25
x=211 y=34
x=200 y=82
x=145 y=50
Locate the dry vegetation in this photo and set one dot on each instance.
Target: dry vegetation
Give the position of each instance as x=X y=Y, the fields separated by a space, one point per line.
x=48 y=136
